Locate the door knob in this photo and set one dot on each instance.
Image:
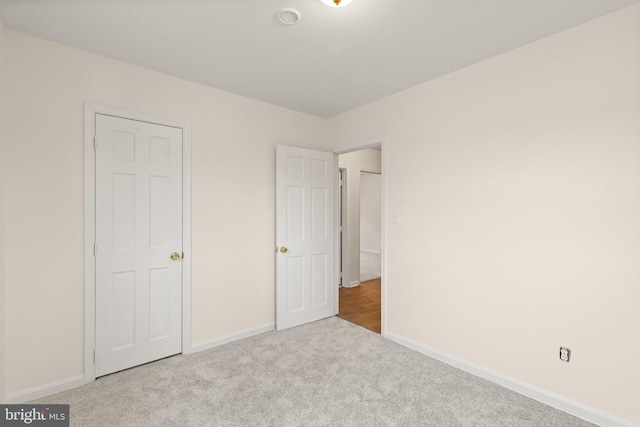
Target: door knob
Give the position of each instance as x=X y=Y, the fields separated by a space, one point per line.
x=175 y=256
x=284 y=250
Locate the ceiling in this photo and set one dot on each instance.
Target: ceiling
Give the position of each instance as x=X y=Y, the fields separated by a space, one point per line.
x=332 y=60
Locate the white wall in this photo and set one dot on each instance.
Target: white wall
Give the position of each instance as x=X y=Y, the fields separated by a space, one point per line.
x=517 y=182
x=370 y=226
x=233 y=160
x=370 y=211
x=2 y=247
x=354 y=162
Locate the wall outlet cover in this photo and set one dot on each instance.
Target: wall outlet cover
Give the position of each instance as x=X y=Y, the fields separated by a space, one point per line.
x=565 y=354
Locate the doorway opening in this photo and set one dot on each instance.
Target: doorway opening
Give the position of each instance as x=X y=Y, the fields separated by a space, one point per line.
x=361 y=237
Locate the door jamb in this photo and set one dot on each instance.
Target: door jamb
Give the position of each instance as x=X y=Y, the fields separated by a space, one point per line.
x=90 y=111
x=343 y=271
x=356 y=146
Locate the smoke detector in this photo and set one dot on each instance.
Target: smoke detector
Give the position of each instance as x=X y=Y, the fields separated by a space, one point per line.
x=289 y=16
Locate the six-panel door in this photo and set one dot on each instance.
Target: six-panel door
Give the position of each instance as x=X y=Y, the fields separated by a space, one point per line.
x=305 y=288
x=138 y=227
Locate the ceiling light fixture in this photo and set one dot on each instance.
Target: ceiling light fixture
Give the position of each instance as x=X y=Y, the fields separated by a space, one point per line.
x=289 y=16
x=336 y=3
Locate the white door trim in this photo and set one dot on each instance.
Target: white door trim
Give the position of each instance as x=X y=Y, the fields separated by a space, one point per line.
x=361 y=145
x=90 y=111
x=343 y=214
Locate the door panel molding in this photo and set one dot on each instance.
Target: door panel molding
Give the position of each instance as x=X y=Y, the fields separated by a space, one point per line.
x=90 y=111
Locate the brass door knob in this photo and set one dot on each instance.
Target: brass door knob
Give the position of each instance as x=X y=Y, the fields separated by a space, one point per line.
x=175 y=256
x=284 y=250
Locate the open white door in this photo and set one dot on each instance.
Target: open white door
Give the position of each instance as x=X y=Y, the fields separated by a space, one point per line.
x=305 y=288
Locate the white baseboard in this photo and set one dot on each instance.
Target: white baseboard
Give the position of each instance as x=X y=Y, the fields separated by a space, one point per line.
x=63 y=385
x=46 y=390
x=556 y=401
x=231 y=338
x=352 y=284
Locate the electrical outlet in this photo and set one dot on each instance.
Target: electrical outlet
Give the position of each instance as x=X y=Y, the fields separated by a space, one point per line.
x=565 y=354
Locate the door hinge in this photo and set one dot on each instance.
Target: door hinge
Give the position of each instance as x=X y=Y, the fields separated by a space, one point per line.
x=95 y=143
x=94 y=356
x=95 y=250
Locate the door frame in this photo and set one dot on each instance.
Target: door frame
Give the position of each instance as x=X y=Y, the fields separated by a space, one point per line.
x=342 y=225
x=90 y=111
x=373 y=142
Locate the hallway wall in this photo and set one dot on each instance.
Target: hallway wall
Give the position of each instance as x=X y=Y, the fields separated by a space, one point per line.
x=370 y=226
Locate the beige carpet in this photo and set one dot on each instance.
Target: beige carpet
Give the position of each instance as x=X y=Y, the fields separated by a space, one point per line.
x=328 y=373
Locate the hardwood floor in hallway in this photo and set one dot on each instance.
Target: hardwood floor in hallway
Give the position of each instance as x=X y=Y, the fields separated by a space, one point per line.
x=361 y=305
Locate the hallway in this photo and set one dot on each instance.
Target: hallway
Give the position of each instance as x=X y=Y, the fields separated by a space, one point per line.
x=361 y=305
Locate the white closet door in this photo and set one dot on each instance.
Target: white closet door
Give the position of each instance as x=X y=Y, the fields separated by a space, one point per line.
x=138 y=242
